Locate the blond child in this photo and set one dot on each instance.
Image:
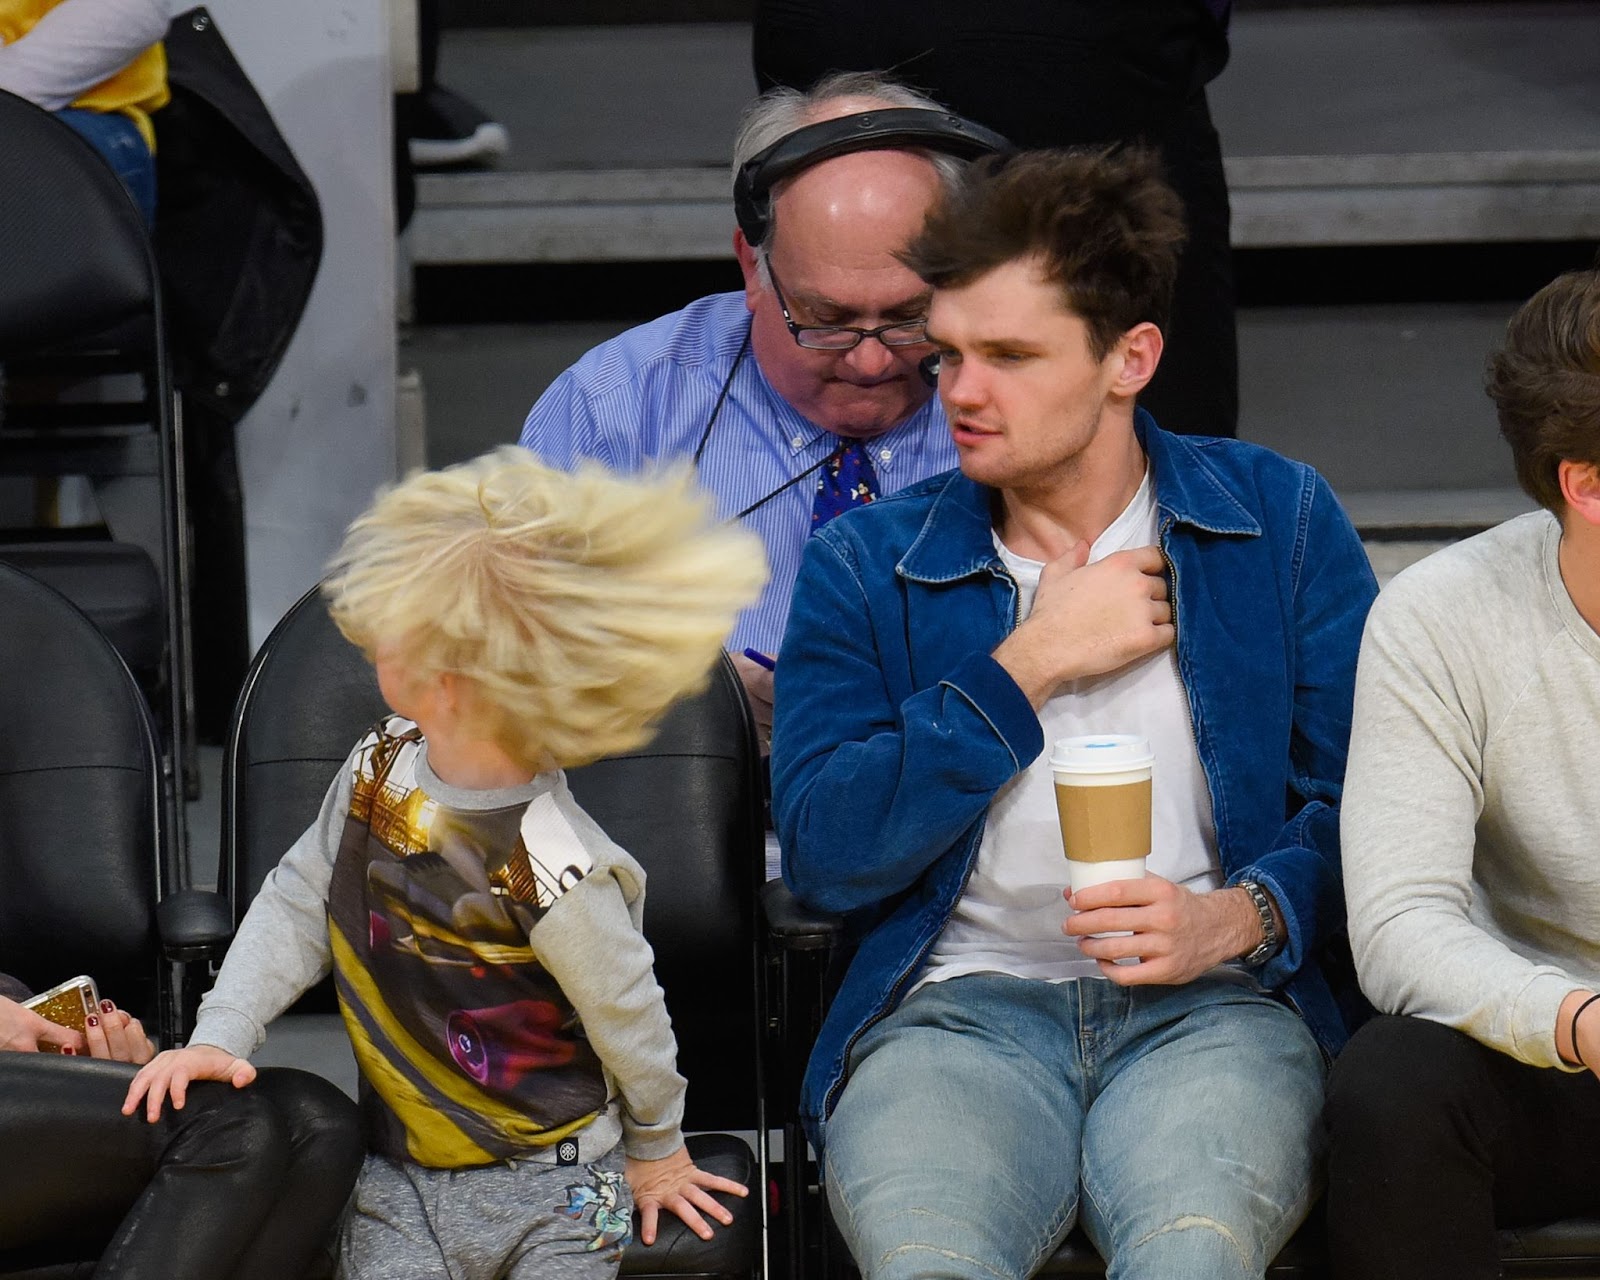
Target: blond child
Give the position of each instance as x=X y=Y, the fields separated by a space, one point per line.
x=517 y=1062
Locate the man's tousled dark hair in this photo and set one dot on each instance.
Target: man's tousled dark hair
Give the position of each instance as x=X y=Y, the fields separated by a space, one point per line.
x=1545 y=382
x=1102 y=224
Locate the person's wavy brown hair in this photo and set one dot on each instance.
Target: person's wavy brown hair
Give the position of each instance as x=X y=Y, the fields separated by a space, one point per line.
x=1545 y=382
x=1103 y=225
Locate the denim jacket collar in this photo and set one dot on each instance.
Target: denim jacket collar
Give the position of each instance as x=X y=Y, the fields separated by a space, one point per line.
x=957 y=540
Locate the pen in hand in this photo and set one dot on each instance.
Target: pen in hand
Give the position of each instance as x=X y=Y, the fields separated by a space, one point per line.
x=760 y=659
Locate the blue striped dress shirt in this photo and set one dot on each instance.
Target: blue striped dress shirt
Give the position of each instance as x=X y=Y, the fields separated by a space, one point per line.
x=645 y=396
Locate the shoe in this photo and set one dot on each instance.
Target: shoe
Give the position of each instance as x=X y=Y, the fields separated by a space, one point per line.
x=447 y=130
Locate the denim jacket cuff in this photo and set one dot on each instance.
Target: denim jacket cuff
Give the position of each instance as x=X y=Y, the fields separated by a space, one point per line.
x=1279 y=968
x=995 y=696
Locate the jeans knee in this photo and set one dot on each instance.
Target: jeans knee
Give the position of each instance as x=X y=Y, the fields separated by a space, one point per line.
x=900 y=1232
x=1191 y=1244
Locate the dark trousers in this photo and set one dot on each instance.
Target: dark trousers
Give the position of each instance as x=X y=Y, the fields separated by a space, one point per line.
x=245 y=1184
x=1436 y=1140
x=1059 y=73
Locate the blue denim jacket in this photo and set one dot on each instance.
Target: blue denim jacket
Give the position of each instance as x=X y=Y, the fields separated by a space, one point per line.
x=895 y=728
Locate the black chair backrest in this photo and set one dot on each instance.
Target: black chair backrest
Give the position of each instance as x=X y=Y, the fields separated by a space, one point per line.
x=75 y=257
x=79 y=799
x=687 y=806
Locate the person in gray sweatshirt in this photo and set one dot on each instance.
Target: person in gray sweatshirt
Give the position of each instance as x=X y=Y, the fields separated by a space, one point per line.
x=1471 y=834
x=517 y=1063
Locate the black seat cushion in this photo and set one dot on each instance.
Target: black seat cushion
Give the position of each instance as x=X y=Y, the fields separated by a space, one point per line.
x=115 y=583
x=1574 y=1238
x=677 y=1250
x=1530 y=1251
x=1545 y=1251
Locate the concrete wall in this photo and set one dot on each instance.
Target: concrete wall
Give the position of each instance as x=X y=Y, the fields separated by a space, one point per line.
x=322 y=437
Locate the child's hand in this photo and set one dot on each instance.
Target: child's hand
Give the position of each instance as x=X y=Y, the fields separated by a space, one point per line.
x=676 y=1183
x=168 y=1075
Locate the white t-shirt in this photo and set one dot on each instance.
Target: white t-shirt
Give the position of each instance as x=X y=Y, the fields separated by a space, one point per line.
x=1009 y=918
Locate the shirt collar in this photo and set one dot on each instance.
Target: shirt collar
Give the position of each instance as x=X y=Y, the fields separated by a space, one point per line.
x=956 y=539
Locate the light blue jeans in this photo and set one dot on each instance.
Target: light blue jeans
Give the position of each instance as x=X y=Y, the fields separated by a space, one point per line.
x=987 y=1114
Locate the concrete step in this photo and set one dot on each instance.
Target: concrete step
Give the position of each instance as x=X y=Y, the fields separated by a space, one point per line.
x=1377 y=398
x=1426 y=124
x=1398 y=516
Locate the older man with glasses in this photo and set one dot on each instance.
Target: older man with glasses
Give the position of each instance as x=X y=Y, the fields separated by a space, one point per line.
x=793 y=401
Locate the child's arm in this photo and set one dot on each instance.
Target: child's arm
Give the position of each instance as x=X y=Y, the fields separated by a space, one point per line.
x=590 y=945
x=280 y=950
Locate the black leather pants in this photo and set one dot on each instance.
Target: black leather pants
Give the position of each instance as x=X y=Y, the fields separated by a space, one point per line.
x=240 y=1183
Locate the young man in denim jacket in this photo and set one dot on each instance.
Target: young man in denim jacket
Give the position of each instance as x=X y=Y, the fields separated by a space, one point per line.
x=988 y=1073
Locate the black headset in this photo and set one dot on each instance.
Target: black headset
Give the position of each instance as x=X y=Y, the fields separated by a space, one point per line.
x=891 y=129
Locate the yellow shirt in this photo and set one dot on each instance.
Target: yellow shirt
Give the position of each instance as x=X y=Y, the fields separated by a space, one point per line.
x=136 y=90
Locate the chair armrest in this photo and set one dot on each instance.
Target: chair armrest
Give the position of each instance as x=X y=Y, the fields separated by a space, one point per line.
x=194 y=924
x=796 y=927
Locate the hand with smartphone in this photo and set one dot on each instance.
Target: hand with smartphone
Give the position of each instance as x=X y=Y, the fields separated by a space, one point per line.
x=24 y=1031
x=72 y=1019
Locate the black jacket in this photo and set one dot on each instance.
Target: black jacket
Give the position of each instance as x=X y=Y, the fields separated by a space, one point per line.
x=238 y=229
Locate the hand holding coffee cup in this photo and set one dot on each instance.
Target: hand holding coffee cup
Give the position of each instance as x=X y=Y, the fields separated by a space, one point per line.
x=1103 y=799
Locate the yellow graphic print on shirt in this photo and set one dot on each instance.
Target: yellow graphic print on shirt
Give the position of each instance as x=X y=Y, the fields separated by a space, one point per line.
x=469 y=1051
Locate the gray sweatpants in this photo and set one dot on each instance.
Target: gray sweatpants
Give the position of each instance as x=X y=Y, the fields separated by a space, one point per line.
x=513 y=1221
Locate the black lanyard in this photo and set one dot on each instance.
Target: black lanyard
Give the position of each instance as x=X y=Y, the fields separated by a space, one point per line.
x=716 y=409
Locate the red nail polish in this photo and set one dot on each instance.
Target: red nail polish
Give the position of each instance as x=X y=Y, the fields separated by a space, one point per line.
x=68 y=1050
x=93 y=1021
x=106 y=1006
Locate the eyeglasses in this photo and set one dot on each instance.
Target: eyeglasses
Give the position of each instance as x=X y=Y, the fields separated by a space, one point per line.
x=843 y=337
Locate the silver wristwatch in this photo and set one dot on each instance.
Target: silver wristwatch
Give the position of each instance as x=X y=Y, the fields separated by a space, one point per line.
x=1268 y=946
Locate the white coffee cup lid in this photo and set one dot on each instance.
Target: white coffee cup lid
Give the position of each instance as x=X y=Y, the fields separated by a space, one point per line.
x=1102 y=753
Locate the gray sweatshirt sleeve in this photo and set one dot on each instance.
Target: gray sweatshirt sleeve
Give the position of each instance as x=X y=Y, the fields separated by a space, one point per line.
x=1412 y=801
x=78 y=44
x=281 y=949
x=591 y=945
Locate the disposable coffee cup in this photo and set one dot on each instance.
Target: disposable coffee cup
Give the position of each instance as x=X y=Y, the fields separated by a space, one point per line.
x=1103 y=799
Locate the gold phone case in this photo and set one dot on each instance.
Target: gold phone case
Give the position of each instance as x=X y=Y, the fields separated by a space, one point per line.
x=67 y=1005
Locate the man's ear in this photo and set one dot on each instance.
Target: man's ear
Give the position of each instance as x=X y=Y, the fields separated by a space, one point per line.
x=1139 y=351
x=1580 y=487
x=750 y=265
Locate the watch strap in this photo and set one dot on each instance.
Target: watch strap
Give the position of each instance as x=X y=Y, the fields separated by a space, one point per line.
x=1268 y=946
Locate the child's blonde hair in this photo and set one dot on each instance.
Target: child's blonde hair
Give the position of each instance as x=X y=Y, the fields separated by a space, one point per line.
x=580 y=606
